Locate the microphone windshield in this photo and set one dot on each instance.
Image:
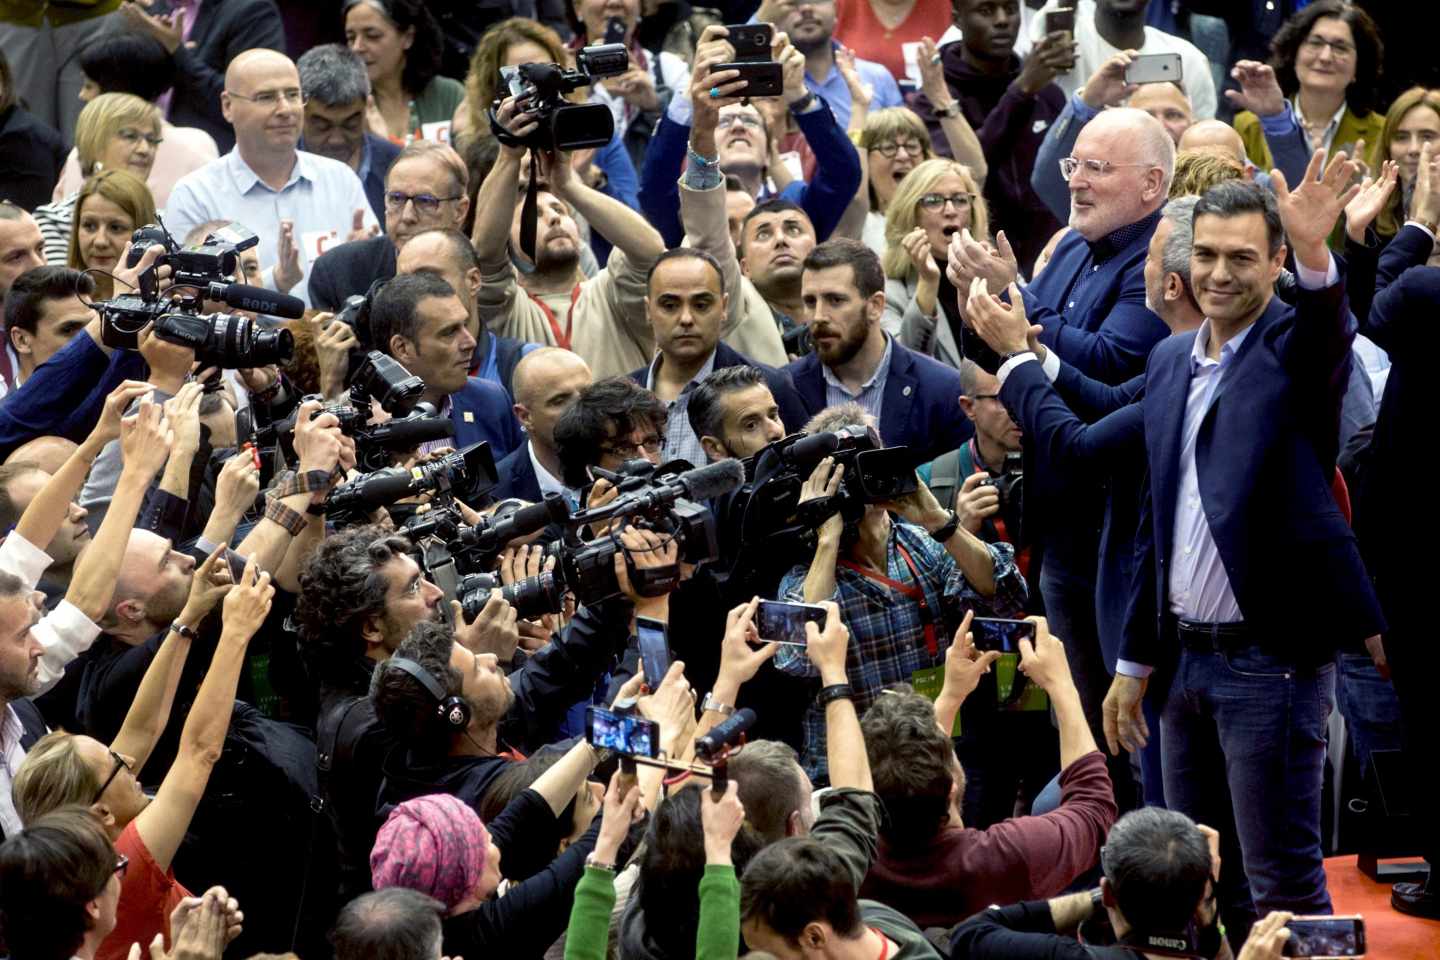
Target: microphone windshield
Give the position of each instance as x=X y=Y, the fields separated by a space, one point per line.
x=712 y=480
x=245 y=297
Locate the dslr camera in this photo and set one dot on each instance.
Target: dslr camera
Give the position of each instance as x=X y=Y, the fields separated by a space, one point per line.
x=543 y=87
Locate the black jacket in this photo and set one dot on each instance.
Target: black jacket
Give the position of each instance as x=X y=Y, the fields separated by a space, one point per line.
x=350 y=269
x=223 y=30
x=31 y=155
x=782 y=388
x=517 y=476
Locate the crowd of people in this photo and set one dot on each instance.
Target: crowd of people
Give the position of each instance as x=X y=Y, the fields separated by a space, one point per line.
x=475 y=480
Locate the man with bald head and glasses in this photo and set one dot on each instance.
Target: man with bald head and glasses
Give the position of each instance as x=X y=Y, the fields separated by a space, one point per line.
x=299 y=204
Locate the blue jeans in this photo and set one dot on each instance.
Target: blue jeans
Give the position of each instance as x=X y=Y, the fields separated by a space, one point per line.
x=1244 y=737
x=1371 y=709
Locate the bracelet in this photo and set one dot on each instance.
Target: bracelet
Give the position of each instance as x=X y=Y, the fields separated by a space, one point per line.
x=836 y=691
x=710 y=703
x=943 y=534
x=293 y=522
x=701 y=160
x=591 y=861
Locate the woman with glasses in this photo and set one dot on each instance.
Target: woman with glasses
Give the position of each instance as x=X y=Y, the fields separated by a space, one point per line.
x=134 y=63
x=1327 y=59
x=116 y=131
x=895 y=142
x=936 y=201
x=65 y=768
x=401 y=44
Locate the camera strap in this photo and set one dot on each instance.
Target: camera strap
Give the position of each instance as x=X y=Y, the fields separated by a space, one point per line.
x=530 y=211
x=914 y=591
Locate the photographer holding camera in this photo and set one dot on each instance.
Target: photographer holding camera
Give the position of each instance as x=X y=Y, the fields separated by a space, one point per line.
x=902 y=585
x=548 y=300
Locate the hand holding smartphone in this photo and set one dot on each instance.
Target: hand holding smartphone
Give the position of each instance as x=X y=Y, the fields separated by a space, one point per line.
x=1323 y=937
x=1155 y=68
x=752 y=43
x=654 y=641
x=626 y=733
x=785 y=622
x=991 y=633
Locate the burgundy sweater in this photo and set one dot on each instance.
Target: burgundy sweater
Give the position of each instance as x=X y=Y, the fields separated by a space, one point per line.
x=963 y=871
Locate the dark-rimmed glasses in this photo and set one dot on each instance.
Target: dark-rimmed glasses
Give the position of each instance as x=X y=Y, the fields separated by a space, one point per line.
x=120 y=764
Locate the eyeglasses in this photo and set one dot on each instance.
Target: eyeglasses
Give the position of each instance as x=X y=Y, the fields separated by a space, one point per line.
x=395 y=202
x=133 y=137
x=270 y=99
x=937 y=201
x=122 y=863
x=1069 y=166
x=629 y=451
x=890 y=148
x=744 y=119
x=120 y=764
x=1341 y=49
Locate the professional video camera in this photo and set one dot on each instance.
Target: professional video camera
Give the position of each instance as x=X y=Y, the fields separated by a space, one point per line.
x=543 y=87
x=467 y=474
x=218 y=339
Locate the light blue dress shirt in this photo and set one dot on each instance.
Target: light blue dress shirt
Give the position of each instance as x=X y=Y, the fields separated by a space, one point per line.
x=321 y=195
x=886 y=92
x=872 y=391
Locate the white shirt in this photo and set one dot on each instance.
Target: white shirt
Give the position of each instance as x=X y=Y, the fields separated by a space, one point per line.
x=1092 y=51
x=1329 y=136
x=11 y=756
x=321 y=197
x=65 y=632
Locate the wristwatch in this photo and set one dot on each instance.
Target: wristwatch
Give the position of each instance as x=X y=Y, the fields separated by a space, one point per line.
x=591 y=861
x=710 y=703
x=804 y=104
x=944 y=533
x=953 y=110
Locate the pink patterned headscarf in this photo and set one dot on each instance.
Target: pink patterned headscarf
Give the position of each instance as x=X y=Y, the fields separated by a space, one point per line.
x=434 y=844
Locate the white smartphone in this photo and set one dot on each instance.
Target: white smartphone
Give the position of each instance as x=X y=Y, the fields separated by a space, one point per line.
x=1155 y=68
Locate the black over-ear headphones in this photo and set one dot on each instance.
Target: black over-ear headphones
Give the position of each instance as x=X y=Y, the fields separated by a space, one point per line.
x=453 y=712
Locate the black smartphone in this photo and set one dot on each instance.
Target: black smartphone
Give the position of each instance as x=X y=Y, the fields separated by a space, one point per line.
x=625 y=733
x=1155 y=68
x=1003 y=635
x=1061 y=18
x=236 y=563
x=752 y=41
x=1325 y=937
x=785 y=622
x=654 y=645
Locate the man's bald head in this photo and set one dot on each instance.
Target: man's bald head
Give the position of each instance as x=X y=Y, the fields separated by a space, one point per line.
x=262 y=102
x=1167 y=103
x=546 y=382
x=1216 y=136
x=47 y=453
x=251 y=63
x=1139 y=160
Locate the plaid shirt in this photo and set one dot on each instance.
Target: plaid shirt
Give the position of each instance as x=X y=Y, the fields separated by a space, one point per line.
x=887 y=634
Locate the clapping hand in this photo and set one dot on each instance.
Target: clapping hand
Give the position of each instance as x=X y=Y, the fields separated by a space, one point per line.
x=969 y=259
x=1004 y=326
x=1374 y=195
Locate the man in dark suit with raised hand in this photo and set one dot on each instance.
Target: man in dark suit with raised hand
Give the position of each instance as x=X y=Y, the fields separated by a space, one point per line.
x=911 y=396
x=1239 y=533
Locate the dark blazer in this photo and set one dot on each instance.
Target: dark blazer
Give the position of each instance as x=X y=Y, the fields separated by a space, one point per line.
x=382 y=155
x=1400 y=321
x=350 y=269
x=481 y=411
x=31 y=155
x=223 y=30
x=921 y=407
x=782 y=388
x=517 y=476
x=1266 y=457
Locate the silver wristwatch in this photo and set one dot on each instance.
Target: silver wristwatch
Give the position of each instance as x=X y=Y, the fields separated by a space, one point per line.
x=710 y=703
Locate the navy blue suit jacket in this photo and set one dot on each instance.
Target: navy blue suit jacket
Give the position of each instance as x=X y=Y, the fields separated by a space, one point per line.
x=782 y=388
x=481 y=410
x=1265 y=456
x=921 y=407
x=517 y=476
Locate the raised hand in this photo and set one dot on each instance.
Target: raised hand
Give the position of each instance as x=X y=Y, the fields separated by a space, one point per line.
x=317 y=440
x=721 y=819
x=1425 y=204
x=1374 y=195
x=964 y=665
x=1259 y=90
x=1107 y=86
x=739 y=659
x=1044 y=661
x=1052 y=56
x=183 y=413
x=917 y=245
x=208 y=585
x=976 y=501
x=827 y=648
x=358 y=230
x=494 y=629
x=145 y=439
x=1267 y=938
x=824 y=483
x=968 y=258
x=237 y=484
x=248 y=603
x=861 y=93
x=932 y=75
x=710 y=88
x=107 y=428
x=1309 y=210
x=287 y=267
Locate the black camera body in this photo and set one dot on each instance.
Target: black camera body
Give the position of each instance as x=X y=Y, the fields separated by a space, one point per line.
x=544 y=86
x=1009 y=482
x=199 y=264
x=467 y=474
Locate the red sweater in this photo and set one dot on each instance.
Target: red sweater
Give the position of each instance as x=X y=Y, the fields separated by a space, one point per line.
x=963 y=871
x=857 y=27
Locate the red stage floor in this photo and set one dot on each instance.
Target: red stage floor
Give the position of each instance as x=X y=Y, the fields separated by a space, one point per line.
x=1392 y=935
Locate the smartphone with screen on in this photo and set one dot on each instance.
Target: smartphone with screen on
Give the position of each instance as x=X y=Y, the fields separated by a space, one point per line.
x=654 y=643
x=1061 y=18
x=1003 y=635
x=1325 y=936
x=785 y=622
x=625 y=733
x=764 y=77
x=1155 y=68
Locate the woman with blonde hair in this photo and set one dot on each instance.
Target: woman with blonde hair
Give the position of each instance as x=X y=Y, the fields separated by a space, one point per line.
x=107 y=210
x=116 y=131
x=894 y=141
x=1412 y=121
x=937 y=200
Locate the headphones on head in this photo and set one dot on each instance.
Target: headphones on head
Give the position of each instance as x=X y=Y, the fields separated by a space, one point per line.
x=452 y=712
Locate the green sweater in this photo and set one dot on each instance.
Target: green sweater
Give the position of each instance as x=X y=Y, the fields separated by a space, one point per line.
x=717 y=937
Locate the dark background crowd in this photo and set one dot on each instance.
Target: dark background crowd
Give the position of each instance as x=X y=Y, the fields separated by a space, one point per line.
x=807 y=478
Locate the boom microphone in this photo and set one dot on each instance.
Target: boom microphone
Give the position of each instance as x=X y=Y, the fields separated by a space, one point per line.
x=812 y=449
x=257 y=299
x=712 y=480
x=402 y=433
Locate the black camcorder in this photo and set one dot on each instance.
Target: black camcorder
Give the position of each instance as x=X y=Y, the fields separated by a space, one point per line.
x=218 y=339
x=467 y=474
x=543 y=87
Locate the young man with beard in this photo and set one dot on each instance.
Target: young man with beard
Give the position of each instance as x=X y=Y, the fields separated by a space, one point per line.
x=1010 y=103
x=910 y=395
x=745 y=147
x=548 y=300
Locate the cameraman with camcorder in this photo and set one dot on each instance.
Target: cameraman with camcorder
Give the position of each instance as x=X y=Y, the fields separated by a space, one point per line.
x=903 y=585
x=603 y=318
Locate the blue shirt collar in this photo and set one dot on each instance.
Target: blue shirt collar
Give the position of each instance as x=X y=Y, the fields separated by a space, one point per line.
x=246 y=179
x=1198 y=348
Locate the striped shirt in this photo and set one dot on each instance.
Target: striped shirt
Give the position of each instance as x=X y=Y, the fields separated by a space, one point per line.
x=872 y=391
x=55 y=221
